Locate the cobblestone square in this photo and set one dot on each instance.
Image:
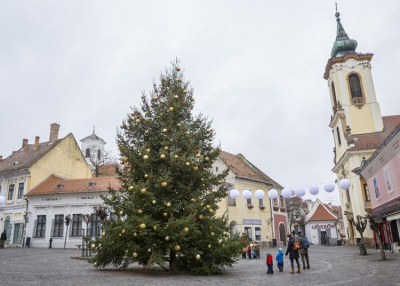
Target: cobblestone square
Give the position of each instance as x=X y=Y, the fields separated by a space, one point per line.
x=329 y=266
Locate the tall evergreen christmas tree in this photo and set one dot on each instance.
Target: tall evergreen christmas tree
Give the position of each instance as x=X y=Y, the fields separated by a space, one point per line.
x=166 y=208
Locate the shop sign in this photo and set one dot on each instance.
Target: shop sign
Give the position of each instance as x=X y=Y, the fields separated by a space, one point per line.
x=323 y=226
x=252 y=221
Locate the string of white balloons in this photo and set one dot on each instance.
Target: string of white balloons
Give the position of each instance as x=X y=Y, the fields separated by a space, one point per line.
x=2 y=200
x=287 y=193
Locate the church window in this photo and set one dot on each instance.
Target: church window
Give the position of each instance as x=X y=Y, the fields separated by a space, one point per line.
x=87 y=155
x=355 y=86
x=338 y=136
x=334 y=95
x=98 y=154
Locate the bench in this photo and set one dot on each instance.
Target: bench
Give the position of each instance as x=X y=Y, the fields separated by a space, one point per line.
x=78 y=246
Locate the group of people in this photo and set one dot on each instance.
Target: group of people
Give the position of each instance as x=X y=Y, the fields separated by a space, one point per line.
x=296 y=248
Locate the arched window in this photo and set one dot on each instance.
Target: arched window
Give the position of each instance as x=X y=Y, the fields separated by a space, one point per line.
x=338 y=136
x=87 y=153
x=98 y=154
x=334 y=95
x=355 y=86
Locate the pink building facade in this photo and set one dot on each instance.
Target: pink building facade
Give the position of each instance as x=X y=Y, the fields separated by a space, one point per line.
x=382 y=174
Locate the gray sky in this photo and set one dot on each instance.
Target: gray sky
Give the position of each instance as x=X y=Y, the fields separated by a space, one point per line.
x=256 y=67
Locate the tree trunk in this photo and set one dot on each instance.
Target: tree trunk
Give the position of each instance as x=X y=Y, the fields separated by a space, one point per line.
x=382 y=248
x=363 y=248
x=66 y=232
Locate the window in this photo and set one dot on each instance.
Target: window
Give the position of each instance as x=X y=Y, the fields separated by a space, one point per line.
x=334 y=95
x=10 y=192
x=40 y=229
x=247 y=230
x=388 y=179
x=282 y=201
x=76 y=225
x=261 y=202
x=95 y=226
x=355 y=86
x=20 y=191
x=377 y=194
x=98 y=154
x=366 y=193
x=257 y=231
x=58 y=226
x=231 y=202
x=275 y=202
x=338 y=136
x=87 y=155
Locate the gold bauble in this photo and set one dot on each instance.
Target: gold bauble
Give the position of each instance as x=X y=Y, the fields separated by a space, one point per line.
x=147 y=149
x=179 y=125
x=121 y=213
x=155 y=98
x=99 y=245
x=206 y=159
x=103 y=234
x=168 y=205
x=123 y=231
x=212 y=233
x=143 y=191
x=187 y=164
x=155 y=227
x=198 y=256
x=95 y=264
x=149 y=250
x=164 y=184
x=211 y=210
x=176 y=156
x=208 y=206
x=122 y=126
x=146 y=131
x=202 y=204
x=186 y=230
x=153 y=202
x=201 y=217
x=209 y=130
x=220 y=181
x=220 y=241
x=133 y=114
x=165 y=130
x=125 y=159
x=187 y=132
x=93 y=246
x=171 y=109
x=167 y=238
x=192 y=98
x=146 y=176
x=193 y=200
x=177 y=248
x=130 y=188
x=145 y=157
x=142 y=226
x=162 y=156
x=134 y=254
x=176 y=97
x=184 y=91
x=209 y=246
x=166 y=148
x=196 y=168
x=120 y=234
x=134 y=234
x=198 y=155
x=140 y=211
x=178 y=69
x=137 y=120
x=165 y=214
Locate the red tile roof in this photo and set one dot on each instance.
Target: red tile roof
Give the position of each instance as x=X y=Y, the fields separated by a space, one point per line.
x=245 y=169
x=107 y=171
x=57 y=185
x=374 y=140
x=25 y=158
x=337 y=210
x=321 y=214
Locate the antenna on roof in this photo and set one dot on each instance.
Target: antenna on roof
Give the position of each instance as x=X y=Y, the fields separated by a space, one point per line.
x=336 y=6
x=94 y=128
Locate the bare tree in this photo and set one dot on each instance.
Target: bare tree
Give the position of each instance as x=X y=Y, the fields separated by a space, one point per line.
x=98 y=158
x=102 y=213
x=360 y=225
x=67 y=221
x=297 y=210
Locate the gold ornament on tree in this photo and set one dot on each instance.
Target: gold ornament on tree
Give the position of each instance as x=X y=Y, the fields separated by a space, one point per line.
x=171 y=109
x=164 y=184
x=198 y=155
x=177 y=247
x=186 y=230
x=143 y=190
x=166 y=148
x=167 y=238
x=134 y=254
x=121 y=213
x=168 y=204
x=142 y=226
x=130 y=188
x=198 y=256
x=145 y=157
x=206 y=159
x=162 y=156
x=153 y=202
x=201 y=217
x=165 y=130
x=137 y=120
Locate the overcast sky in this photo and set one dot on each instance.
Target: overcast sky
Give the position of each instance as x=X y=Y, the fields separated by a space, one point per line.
x=256 y=67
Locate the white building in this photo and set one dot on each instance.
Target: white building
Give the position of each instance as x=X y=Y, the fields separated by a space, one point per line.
x=55 y=198
x=93 y=147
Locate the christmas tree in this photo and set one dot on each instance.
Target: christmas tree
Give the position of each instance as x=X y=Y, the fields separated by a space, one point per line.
x=165 y=211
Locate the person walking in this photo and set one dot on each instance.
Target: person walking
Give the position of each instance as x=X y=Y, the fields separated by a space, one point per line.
x=279 y=259
x=304 y=244
x=3 y=238
x=293 y=250
x=270 y=263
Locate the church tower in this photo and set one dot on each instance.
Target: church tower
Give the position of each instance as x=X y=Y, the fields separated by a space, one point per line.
x=356 y=117
x=92 y=147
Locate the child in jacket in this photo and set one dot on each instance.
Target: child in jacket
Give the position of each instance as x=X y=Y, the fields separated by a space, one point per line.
x=279 y=259
x=270 y=263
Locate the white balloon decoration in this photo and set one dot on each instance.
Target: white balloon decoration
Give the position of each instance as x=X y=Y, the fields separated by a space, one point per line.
x=234 y=194
x=314 y=190
x=259 y=194
x=329 y=187
x=273 y=194
x=286 y=193
x=300 y=192
x=2 y=200
x=344 y=184
x=246 y=194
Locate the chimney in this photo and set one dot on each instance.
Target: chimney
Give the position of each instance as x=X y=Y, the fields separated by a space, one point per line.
x=37 y=142
x=54 y=132
x=1 y=157
x=330 y=205
x=24 y=144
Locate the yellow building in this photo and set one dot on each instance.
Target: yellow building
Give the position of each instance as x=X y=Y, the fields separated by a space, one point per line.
x=27 y=167
x=357 y=125
x=264 y=220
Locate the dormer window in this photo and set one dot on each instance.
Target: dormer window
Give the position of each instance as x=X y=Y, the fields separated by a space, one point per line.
x=15 y=163
x=59 y=186
x=91 y=184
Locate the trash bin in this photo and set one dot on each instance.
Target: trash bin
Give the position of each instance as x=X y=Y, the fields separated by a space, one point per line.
x=28 y=242
x=274 y=244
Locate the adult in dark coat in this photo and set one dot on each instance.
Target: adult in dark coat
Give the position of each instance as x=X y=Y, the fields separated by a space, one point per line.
x=3 y=238
x=293 y=254
x=303 y=252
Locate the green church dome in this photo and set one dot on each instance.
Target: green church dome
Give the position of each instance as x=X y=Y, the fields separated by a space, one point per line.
x=343 y=44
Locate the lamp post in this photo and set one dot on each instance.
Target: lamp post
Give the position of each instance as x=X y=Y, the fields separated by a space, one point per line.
x=25 y=221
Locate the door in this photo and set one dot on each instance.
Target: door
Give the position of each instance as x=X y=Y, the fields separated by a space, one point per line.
x=323 y=237
x=17 y=233
x=8 y=227
x=282 y=233
x=247 y=230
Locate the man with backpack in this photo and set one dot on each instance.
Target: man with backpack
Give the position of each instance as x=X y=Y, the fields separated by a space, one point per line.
x=304 y=245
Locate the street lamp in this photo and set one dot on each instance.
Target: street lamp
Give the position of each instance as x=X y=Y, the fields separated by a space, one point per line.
x=26 y=219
